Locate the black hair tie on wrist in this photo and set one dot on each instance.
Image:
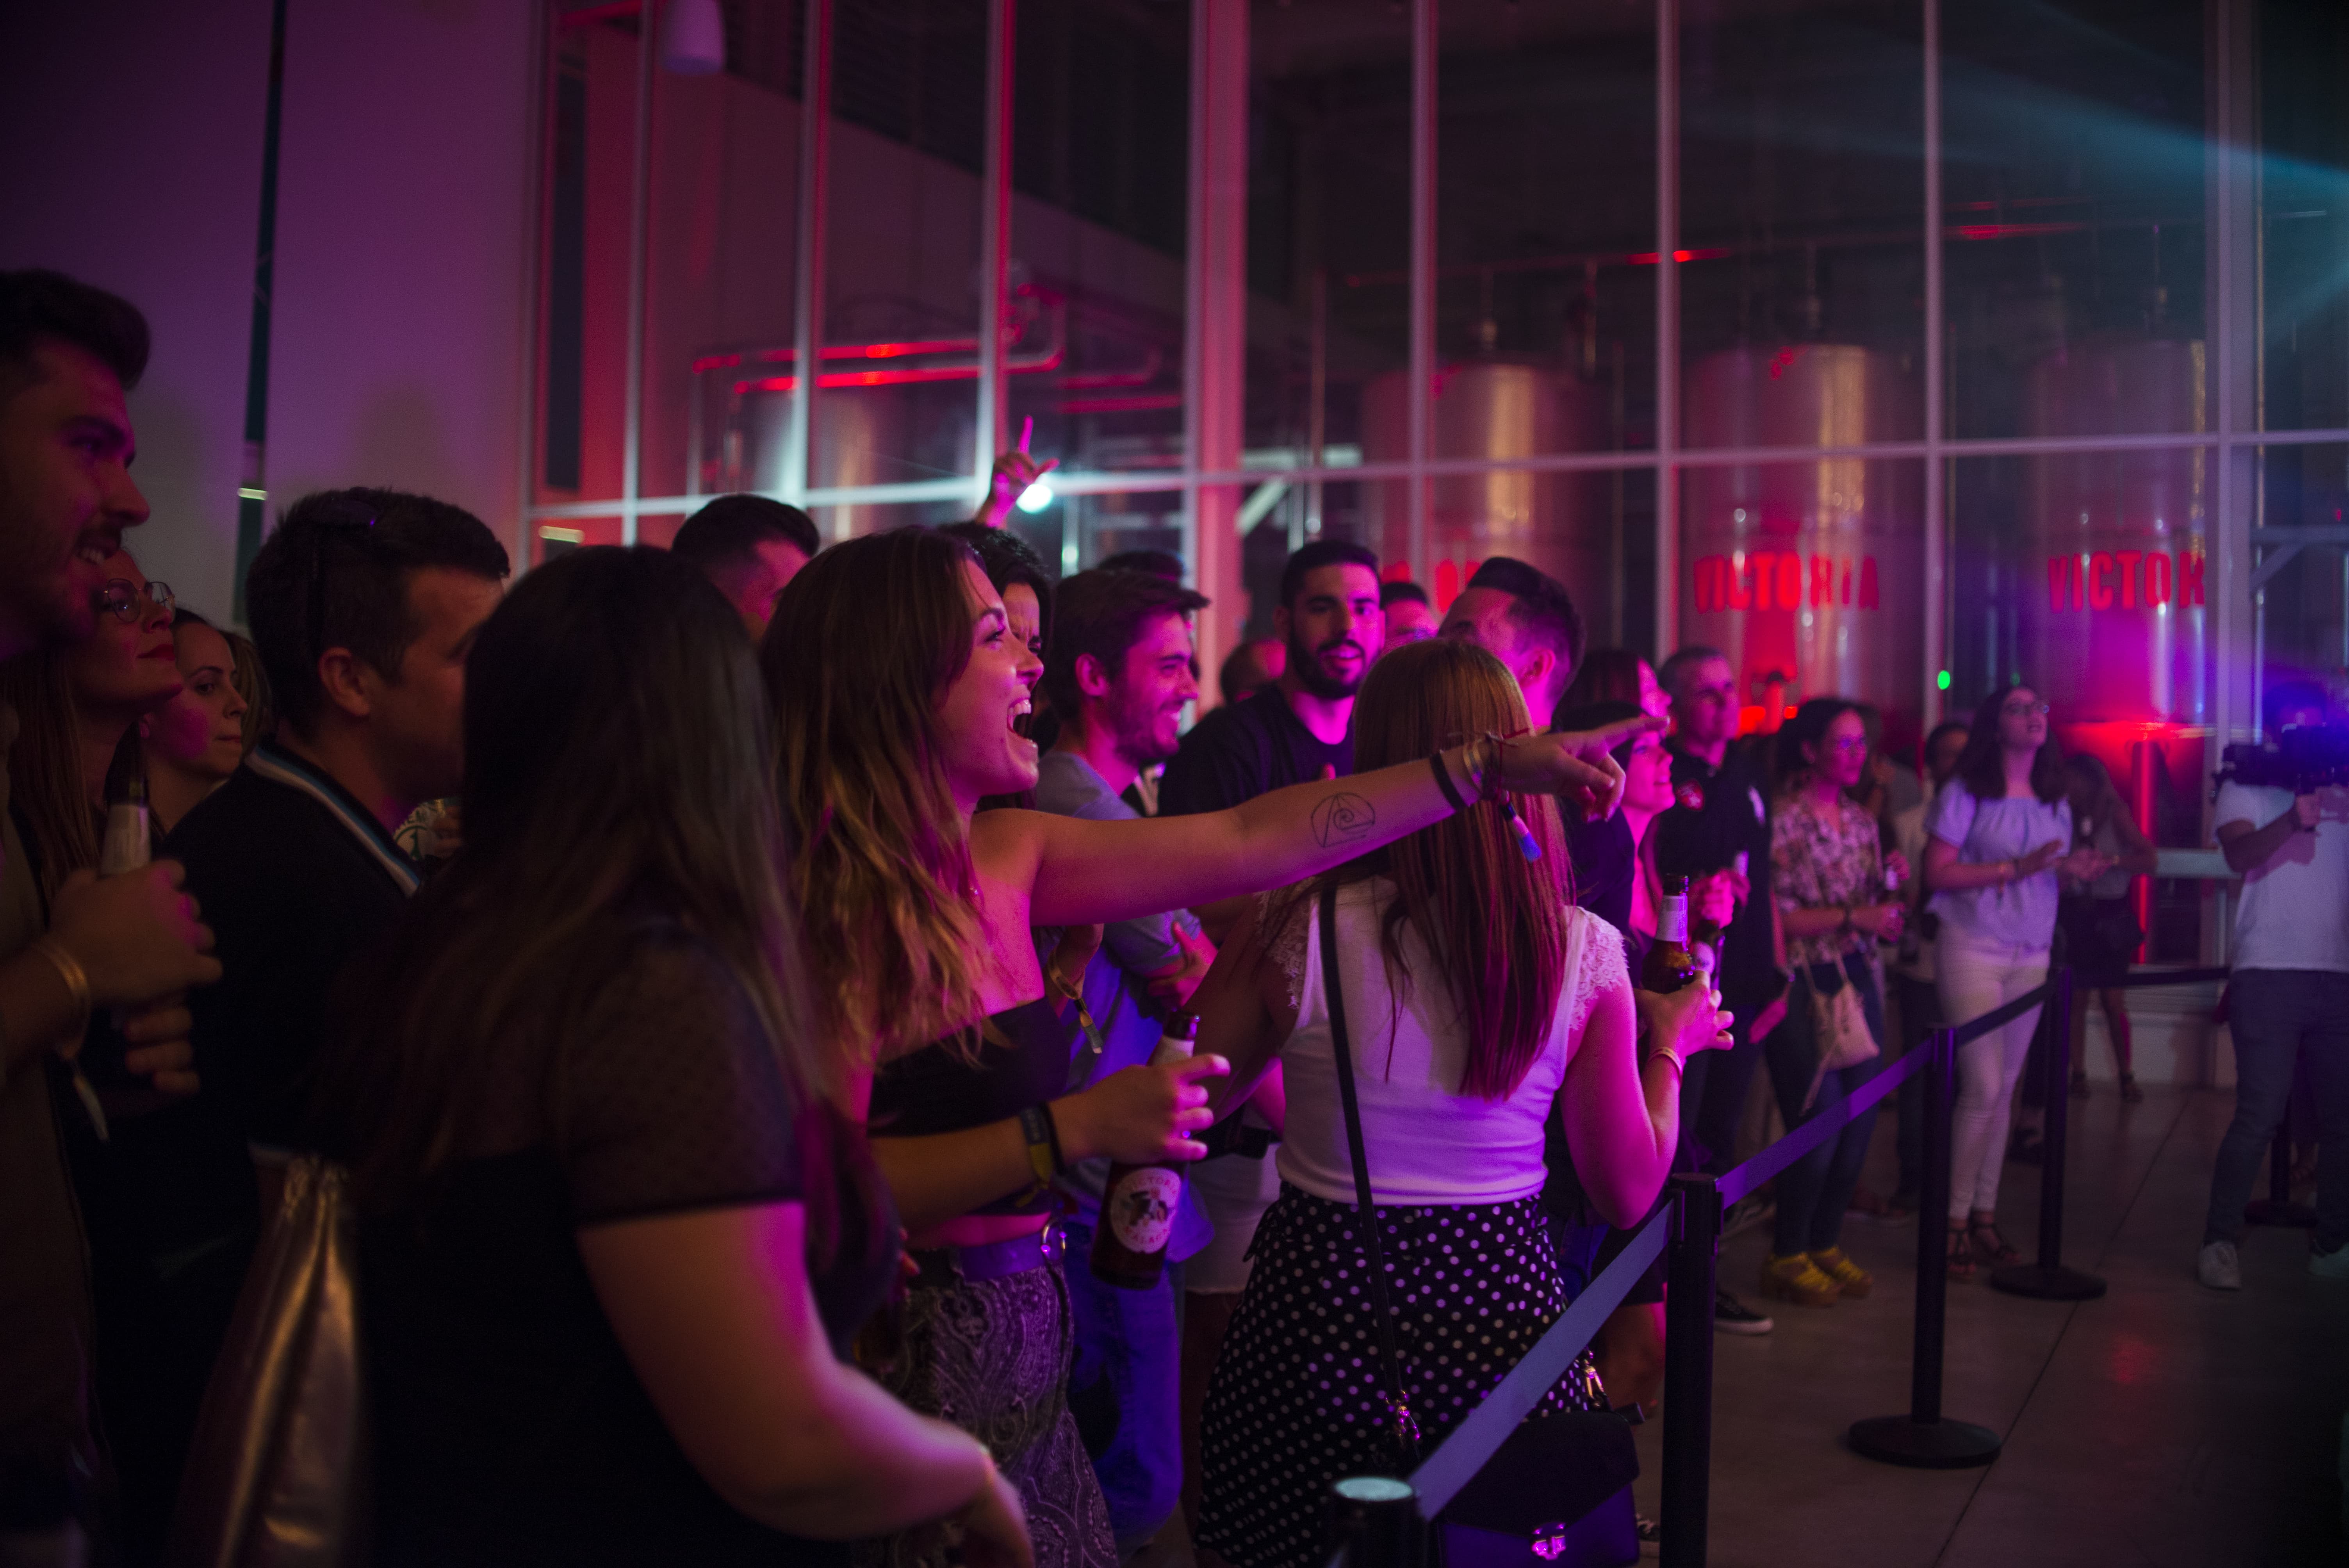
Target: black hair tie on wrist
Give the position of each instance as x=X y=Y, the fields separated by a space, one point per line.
x=1443 y=782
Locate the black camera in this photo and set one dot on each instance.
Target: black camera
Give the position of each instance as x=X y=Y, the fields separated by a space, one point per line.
x=2304 y=758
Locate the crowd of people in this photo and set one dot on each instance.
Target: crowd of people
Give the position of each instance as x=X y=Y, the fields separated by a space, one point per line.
x=729 y=975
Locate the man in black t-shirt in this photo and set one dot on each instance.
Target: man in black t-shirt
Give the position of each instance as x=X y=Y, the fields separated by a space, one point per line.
x=1720 y=826
x=1302 y=727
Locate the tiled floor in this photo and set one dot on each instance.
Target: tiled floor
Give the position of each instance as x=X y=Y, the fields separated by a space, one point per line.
x=2162 y=1425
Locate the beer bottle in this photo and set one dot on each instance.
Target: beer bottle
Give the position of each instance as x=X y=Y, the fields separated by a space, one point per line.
x=1138 y=1202
x=1669 y=963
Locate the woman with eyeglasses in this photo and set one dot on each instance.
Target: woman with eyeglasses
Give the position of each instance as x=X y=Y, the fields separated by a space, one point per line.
x=1836 y=902
x=1996 y=836
x=161 y=1276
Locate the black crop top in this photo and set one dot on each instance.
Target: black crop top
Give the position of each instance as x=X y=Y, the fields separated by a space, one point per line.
x=1024 y=1058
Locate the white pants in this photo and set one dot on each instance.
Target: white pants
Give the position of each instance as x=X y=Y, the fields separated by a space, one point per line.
x=1974 y=977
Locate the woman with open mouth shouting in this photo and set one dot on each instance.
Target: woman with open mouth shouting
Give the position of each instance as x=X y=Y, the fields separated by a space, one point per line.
x=899 y=693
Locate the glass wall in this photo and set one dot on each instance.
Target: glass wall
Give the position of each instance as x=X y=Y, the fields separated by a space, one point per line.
x=1987 y=308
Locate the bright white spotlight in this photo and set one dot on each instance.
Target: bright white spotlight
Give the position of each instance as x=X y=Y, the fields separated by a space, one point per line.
x=1036 y=497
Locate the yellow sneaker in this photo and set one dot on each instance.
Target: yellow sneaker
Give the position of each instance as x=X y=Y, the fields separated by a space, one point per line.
x=1797 y=1279
x=1850 y=1279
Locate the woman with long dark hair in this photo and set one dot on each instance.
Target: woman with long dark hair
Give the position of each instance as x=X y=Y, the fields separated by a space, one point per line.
x=1481 y=1005
x=1997 y=836
x=614 y=1234
x=899 y=693
x=1835 y=903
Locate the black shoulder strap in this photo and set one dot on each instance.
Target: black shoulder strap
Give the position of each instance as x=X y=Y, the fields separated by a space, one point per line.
x=1406 y=1428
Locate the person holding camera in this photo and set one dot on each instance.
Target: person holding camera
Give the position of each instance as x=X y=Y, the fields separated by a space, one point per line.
x=2289 y=993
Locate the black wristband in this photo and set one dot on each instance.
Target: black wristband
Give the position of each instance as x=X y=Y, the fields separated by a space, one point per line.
x=1443 y=782
x=1043 y=1146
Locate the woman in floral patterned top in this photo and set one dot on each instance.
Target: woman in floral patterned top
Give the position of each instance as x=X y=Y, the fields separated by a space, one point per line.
x=1834 y=903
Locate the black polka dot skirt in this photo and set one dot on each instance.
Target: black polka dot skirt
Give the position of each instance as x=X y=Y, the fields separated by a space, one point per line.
x=1298 y=1395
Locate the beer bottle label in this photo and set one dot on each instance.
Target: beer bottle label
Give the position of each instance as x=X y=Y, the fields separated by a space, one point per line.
x=1671 y=925
x=1141 y=1209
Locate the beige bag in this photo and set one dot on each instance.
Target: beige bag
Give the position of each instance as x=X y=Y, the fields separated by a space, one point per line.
x=275 y=1478
x=1839 y=1030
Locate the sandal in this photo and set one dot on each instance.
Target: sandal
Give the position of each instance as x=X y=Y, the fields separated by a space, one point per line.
x=1989 y=1245
x=2080 y=1083
x=2130 y=1093
x=1962 y=1254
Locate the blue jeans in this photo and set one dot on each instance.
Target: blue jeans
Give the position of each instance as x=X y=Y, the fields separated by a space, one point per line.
x=1815 y=1191
x=2283 y=1019
x=1124 y=1392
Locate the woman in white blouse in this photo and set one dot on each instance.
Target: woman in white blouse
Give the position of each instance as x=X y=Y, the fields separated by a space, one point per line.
x=1479 y=1003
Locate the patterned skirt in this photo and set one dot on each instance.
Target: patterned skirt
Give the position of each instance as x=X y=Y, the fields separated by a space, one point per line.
x=1299 y=1397
x=993 y=1358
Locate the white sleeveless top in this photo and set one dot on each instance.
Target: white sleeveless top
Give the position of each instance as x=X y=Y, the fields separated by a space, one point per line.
x=1427 y=1143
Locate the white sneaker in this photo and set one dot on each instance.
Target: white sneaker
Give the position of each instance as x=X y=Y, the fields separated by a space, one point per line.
x=2331 y=1265
x=2217 y=1266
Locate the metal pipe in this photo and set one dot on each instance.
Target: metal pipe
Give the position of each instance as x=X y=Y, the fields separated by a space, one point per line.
x=1667 y=324
x=807 y=283
x=1937 y=636
x=994 y=238
x=639 y=240
x=1422 y=274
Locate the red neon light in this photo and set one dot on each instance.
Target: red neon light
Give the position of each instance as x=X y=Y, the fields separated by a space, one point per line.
x=1650 y=258
x=2011 y=231
x=1142 y=403
x=906 y=376
x=846 y=351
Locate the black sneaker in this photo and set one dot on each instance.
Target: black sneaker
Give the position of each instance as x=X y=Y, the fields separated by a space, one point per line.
x=1730 y=1315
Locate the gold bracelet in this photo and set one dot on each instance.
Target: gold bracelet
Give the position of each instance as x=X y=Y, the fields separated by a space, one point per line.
x=76 y=977
x=1665 y=1053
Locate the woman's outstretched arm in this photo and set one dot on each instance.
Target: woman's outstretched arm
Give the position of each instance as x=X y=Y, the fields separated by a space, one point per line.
x=1081 y=872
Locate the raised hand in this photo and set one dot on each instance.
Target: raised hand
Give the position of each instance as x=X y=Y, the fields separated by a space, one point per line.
x=1014 y=471
x=1576 y=767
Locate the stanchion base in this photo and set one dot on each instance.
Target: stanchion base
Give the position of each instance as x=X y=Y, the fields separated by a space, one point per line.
x=1924 y=1445
x=2057 y=1284
x=2287 y=1214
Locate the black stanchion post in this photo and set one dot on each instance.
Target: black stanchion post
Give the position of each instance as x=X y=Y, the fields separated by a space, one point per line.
x=1373 y=1523
x=2048 y=1279
x=2276 y=1207
x=1922 y=1438
x=1688 y=1372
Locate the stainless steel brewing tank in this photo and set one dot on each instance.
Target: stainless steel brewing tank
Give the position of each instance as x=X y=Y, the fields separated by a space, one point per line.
x=2113 y=616
x=1494 y=409
x=1809 y=571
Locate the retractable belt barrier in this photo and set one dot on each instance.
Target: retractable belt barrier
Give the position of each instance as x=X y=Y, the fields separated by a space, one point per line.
x=1381 y=1522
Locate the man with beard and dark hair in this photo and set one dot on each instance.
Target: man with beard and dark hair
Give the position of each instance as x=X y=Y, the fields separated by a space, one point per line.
x=68 y=354
x=1301 y=727
x=1120 y=671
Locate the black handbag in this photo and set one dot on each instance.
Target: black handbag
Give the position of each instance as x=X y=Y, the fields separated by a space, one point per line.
x=1566 y=1475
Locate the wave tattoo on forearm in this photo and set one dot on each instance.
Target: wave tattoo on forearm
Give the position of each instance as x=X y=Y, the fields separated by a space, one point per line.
x=1343 y=819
